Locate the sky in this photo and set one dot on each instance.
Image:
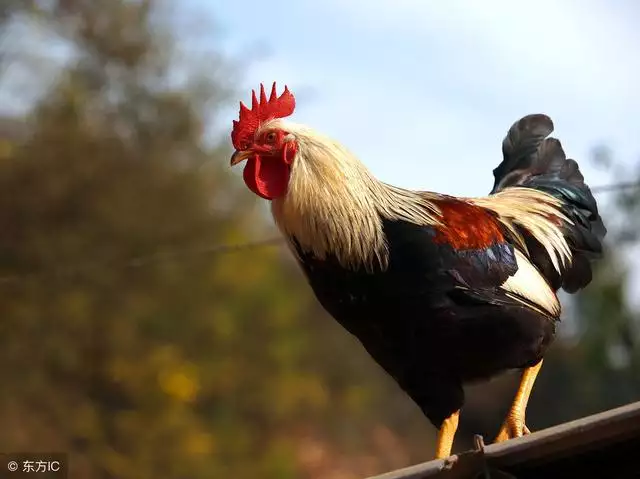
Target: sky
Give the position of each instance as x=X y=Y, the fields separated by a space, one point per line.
x=424 y=91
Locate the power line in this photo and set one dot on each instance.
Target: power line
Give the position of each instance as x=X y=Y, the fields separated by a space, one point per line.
x=140 y=261
x=615 y=187
x=216 y=250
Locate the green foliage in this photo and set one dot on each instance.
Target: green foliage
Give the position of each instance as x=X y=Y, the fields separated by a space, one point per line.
x=138 y=370
x=189 y=364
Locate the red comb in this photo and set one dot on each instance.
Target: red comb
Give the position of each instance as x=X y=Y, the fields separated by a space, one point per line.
x=261 y=111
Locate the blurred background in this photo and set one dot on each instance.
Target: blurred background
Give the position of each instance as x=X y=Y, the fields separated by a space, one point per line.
x=147 y=327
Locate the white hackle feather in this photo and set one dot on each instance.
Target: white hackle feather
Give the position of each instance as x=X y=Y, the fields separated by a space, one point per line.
x=334 y=204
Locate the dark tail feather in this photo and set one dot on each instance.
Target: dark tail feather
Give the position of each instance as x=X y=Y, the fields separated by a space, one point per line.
x=532 y=160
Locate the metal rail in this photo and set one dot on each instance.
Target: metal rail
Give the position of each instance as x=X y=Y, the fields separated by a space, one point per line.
x=603 y=445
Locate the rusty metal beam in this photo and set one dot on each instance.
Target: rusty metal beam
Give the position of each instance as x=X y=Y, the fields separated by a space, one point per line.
x=611 y=435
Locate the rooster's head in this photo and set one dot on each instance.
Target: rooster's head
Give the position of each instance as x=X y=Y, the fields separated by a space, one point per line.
x=265 y=143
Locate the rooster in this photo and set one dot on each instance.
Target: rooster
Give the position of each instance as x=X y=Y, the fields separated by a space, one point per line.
x=439 y=290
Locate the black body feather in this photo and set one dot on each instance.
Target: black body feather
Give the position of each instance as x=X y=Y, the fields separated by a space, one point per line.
x=436 y=318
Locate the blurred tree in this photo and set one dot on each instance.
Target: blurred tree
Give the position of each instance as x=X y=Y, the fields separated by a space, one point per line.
x=198 y=364
x=138 y=370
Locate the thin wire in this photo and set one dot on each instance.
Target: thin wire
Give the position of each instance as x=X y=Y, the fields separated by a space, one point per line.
x=615 y=187
x=216 y=250
x=140 y=261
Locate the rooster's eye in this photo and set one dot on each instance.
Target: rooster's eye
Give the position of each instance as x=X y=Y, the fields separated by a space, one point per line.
x=271 y=137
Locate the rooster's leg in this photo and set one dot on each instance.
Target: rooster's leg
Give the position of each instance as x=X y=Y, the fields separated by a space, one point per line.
x=514 y=425
x=446 y=435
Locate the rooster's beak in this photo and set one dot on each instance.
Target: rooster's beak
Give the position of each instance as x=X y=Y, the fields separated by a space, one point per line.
x=240 y=156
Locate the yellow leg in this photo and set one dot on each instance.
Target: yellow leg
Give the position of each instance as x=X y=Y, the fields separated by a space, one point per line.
x=514 y=425
x=446 y=435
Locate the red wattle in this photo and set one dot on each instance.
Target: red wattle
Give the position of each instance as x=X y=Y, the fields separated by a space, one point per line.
x=267 y=177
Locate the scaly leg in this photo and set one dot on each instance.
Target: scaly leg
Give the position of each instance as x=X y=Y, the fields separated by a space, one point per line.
x=446 y=434
x=514 y=425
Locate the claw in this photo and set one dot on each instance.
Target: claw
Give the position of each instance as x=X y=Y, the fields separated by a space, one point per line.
x=512 y=427
x=446 y=434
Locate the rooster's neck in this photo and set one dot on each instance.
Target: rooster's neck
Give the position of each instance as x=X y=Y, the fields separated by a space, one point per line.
x=335 y=207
